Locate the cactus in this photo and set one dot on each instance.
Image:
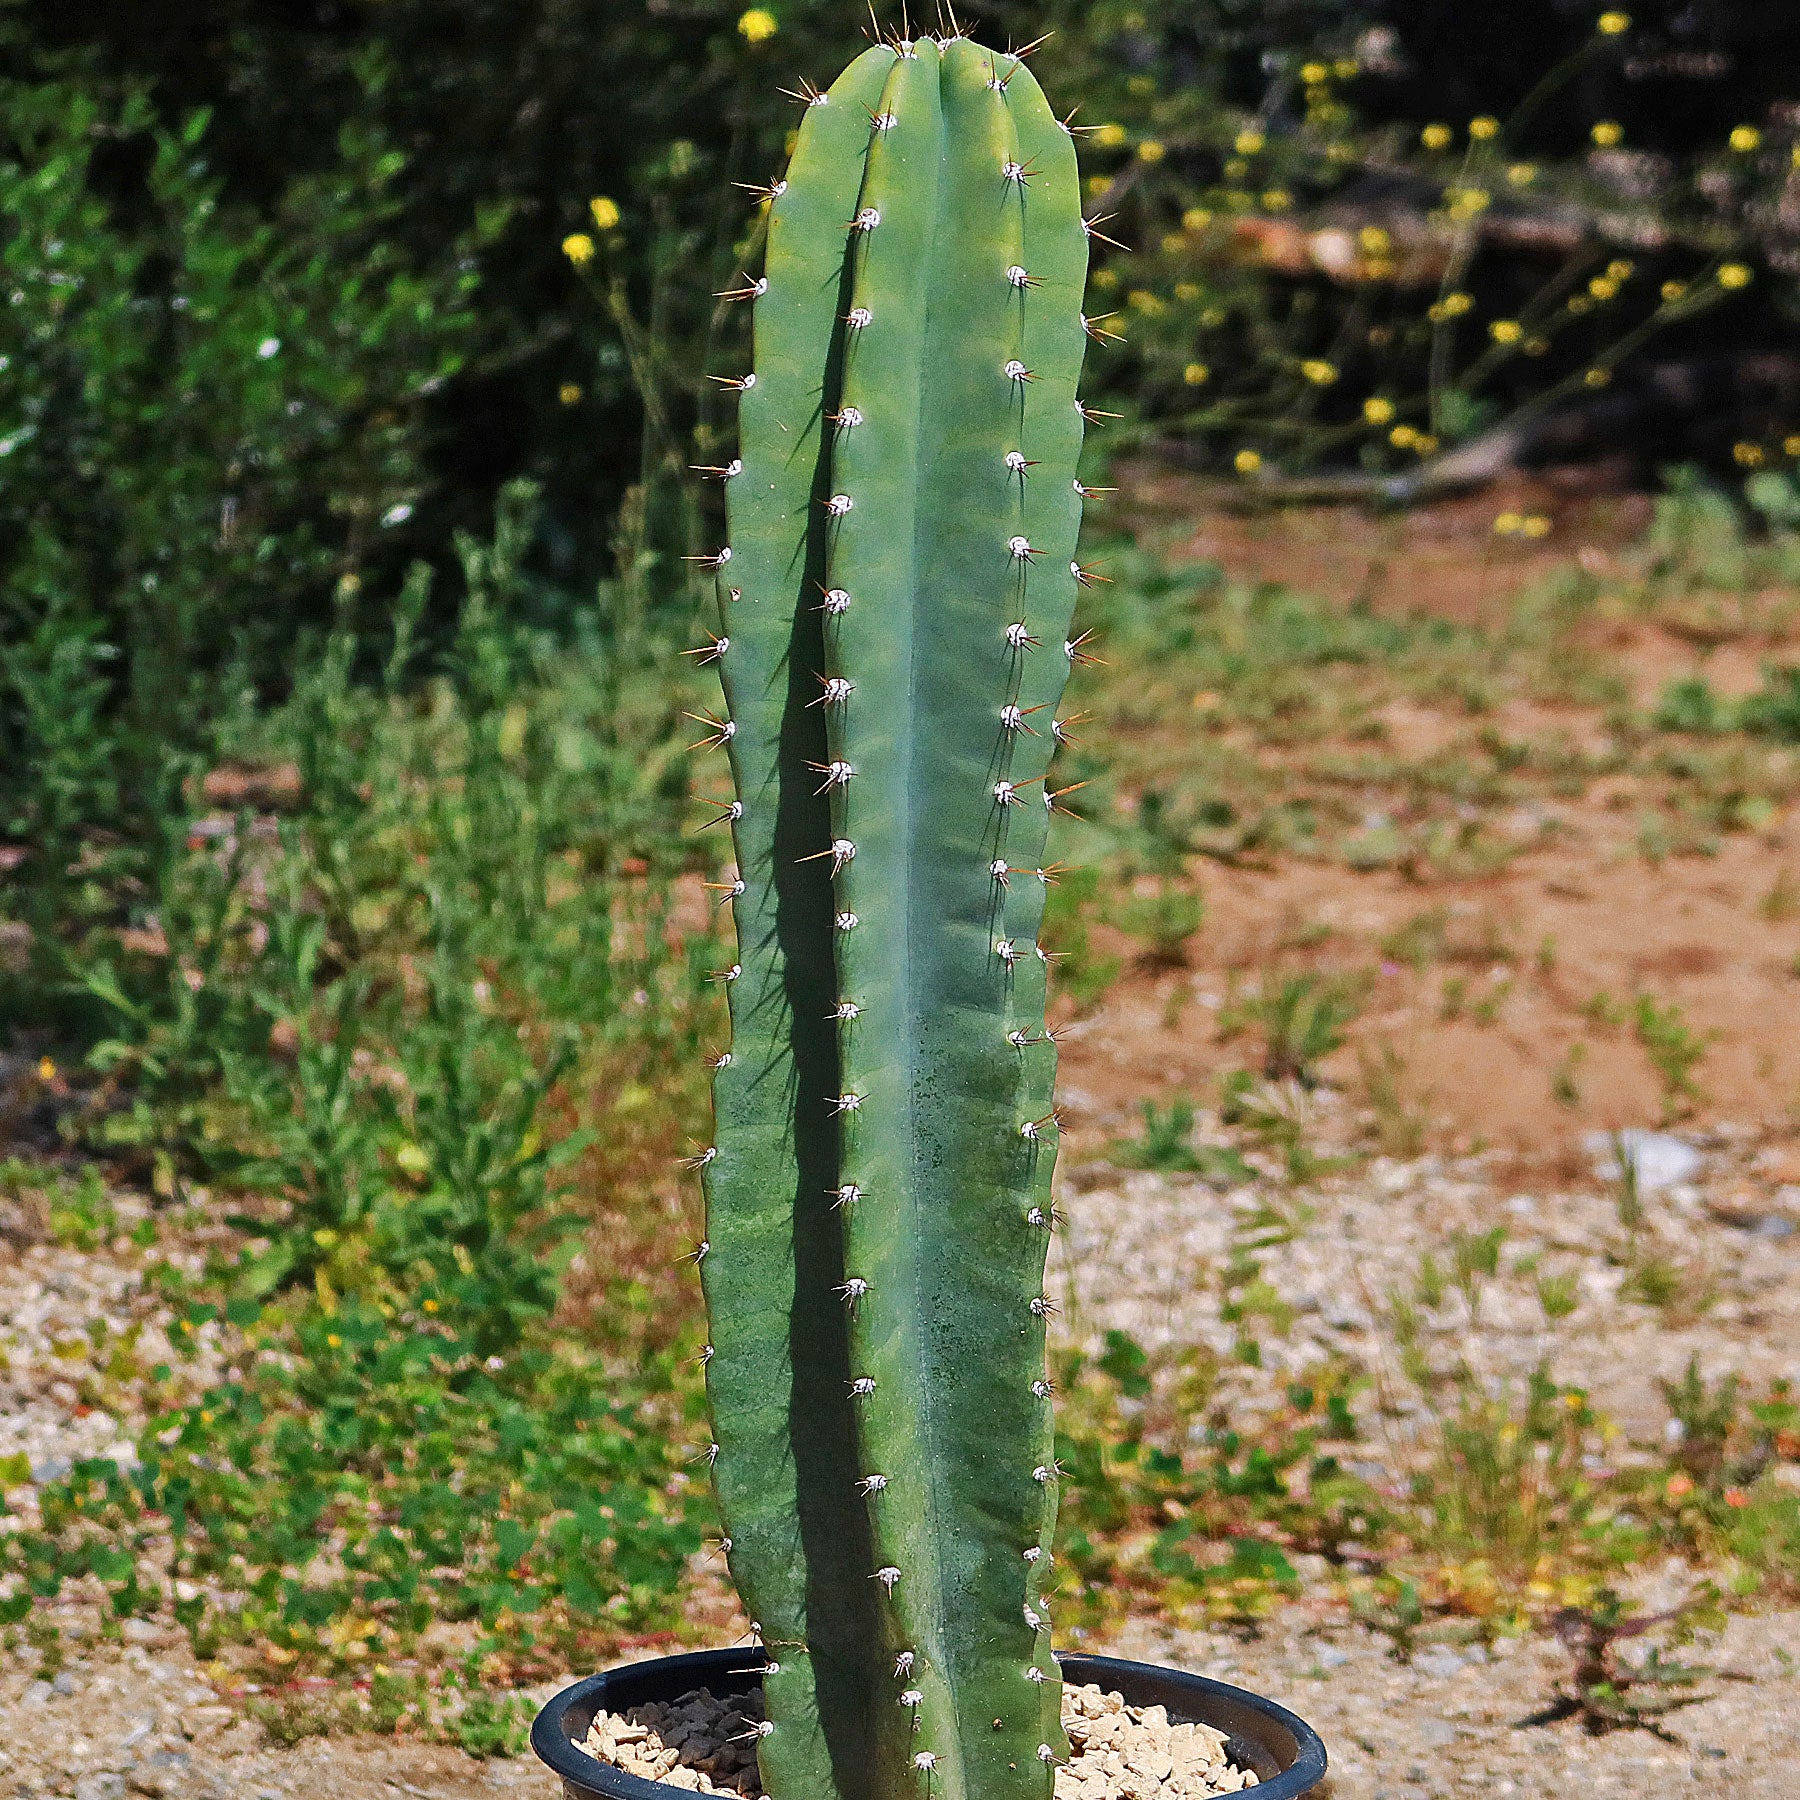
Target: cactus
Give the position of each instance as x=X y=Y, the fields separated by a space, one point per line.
x=895 y=610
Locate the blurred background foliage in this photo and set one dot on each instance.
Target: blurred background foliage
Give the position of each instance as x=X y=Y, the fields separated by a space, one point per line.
x=290 y=300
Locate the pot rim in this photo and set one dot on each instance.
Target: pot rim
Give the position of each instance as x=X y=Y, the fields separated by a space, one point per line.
x=555 y=1741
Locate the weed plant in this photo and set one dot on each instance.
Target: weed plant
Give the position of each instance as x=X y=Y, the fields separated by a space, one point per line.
x=370 y=1023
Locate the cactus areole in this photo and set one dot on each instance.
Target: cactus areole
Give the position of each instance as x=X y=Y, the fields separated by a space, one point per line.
x=895 y=609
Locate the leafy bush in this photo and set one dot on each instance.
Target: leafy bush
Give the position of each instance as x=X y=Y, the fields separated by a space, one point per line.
x=211 y=417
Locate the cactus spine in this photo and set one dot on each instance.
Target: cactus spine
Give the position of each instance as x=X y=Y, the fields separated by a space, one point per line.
x=895 y=608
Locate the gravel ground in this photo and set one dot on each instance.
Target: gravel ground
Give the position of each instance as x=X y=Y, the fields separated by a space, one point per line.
x=1139 y=1251
x=1142 y=1252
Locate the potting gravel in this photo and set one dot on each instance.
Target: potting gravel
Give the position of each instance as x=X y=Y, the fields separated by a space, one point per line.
x=708 y=1744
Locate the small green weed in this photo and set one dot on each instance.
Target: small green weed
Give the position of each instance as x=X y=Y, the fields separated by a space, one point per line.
x=1302 y=1017
x=1168 y=1145
x=1675 y=1050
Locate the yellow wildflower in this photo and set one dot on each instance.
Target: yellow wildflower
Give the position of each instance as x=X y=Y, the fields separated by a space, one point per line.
x=1098 y=184
x=1313 y=73
x=1173 y=241
x=1790 y=446
x=1151 y=151
x=1744 y=139
x=1344 y=67
x=1452 y=306
x=1246 y=462
x=1615 y=24
x=1374 y=241
x=569 y=393
x=1187 y=290
x=756 y=25
x=1747 y=456
x=1508 y=524
x=1196 y=374
x=578 y=247
x=1506 y=331
x=1536 y=526
x=1673 y=290
x=46 y=1069
x=1484 y=128
x=1403 y=437
x=1146 y=302
x=1733 y=275
x=1522 y=174
x=1377 y=410
x=605 y=211
x=1620 y=270
x=1436 y=137
x=1277 y=200
x=1249 y=142
x=332 y=1338
x=1196 y=218
x=1105 y=278
x=1607 y=133
x=1110 y=135
x=431 y=1306
x=1597 y=378
x=1603 y=287
x=1319 y=372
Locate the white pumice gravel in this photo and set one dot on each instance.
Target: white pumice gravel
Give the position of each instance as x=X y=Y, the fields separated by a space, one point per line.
x=1117 y=1752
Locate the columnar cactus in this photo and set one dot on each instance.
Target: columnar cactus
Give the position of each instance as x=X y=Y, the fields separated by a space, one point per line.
x=894 y=639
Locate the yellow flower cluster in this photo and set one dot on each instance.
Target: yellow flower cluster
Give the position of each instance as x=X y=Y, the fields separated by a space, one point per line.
x=1196 y=374
x=1734 y=275
x=1512 y=524
x=578 y=247
x=1436 y=137
x=606 y=212
x=1506 y=331
x=1452 y=306
x=1484 y=128
x=1377 y=410
x=1744 y=139
x=1319 y=372
x=757 y=25
x=1747 y=456
x=1615 y=24
x=1608 y=133
x=1406 y=437
x=1246 y=462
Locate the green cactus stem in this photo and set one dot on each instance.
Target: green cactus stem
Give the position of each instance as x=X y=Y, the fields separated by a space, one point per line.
x=896 y=605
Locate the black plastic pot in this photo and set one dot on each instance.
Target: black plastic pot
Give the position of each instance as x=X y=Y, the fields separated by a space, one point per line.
x=1284 y=1750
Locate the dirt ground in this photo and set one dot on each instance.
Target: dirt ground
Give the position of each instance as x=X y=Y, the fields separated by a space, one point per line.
x=1576 y=912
